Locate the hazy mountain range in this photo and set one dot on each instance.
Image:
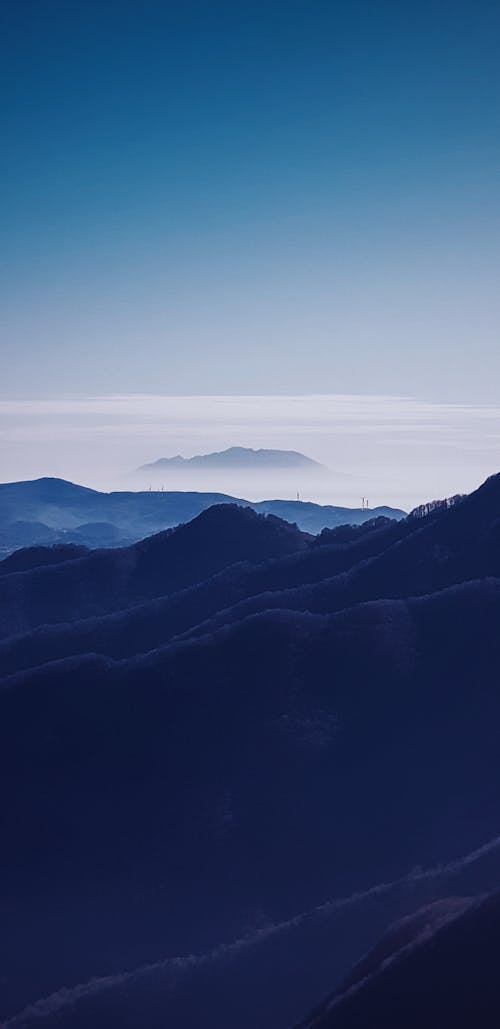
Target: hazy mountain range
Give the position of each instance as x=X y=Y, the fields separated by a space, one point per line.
x=235 y=756
x=238 y=458
x=51 y=511
x=243 y=471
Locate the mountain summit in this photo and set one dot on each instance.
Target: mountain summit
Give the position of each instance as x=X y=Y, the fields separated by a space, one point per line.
x=239 y=459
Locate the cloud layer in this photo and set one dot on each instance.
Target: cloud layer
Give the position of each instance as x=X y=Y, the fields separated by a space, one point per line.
x=395 y=450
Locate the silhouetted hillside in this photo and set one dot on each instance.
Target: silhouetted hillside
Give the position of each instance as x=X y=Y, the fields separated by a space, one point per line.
x=341 y=568
x=180 y=787
x=154 y=623
x=48 y=511
x=33 y=557
x=449 y=545
x=91 y=535
x=110 y=580
x=313 y=517
x=437 y=970
x=225 y=981
x=62 y=505
x=258 y=751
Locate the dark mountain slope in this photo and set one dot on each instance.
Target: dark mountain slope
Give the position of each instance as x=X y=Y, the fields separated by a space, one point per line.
x=447 y=546
x=172 y=797
x=446 y=976
x=406 y=932
x=227 y=985
x=115 y=579
x=53 y=510
x=34 y=557
x=165 y=803
x=341 y=568
x=150 y=625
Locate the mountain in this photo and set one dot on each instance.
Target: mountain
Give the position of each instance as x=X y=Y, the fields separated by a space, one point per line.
x=223 y=980
x=247 y=777
x=255 y=752
x=110 y=580
x=438 y=968
x=53 y=511
x=335 y=570
x=242 y=471
x=64 y=506
x=238 y=458
x=34 y=557
x=316 y=517
x=153 y=623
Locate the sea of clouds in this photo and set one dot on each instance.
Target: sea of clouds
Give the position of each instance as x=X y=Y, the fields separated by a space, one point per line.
x=393 y=450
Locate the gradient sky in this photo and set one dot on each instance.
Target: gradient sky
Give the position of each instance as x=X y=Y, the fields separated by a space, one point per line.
x=250 y=197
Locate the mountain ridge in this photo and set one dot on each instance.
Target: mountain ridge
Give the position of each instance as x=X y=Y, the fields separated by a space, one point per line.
x=50 y=510
x=291 y=728
x=253 y=721
x=334 y=570
x=443 y=975
x=239 y=458
x=105 y=580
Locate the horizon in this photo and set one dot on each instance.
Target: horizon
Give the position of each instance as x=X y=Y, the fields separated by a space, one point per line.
x=250 y=201
x=397 y=451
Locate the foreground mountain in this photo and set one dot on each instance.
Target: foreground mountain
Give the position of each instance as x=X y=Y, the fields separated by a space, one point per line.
x=222 y=982
x=53 y=511
x=179 y=797
x=110 y=580
x=260 y=751
x=238 y=458
x=437 y=548
x=436 y=969
x=151 y=624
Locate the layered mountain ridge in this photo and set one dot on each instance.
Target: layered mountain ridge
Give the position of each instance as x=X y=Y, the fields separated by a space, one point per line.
x=53 y=511
x=243 y=753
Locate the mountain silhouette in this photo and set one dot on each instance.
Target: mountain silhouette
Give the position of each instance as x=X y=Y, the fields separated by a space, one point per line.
x=151 y=624
x=108 y=580
x=243 y=753
x=26 y=558
x=53 y=511
x=157 y=776
x=239 y=458
x=338 y=569
x=437 y=968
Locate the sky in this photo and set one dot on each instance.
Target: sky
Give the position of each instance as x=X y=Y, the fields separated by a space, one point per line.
x=253 y=198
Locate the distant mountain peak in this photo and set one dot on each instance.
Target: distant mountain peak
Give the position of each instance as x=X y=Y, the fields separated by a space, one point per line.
x=239 y=458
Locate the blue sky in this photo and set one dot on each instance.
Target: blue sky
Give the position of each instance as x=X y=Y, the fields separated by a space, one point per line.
x=250 y=197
